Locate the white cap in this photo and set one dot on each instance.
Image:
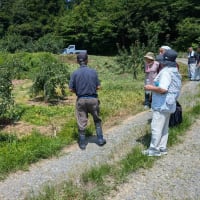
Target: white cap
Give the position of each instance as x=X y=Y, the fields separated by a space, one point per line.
x=165 y=47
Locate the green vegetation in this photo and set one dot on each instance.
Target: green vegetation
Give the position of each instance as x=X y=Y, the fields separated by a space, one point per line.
x=99 y=181
x=51 y=79
x=6 y=98
x=54 y=122
x=35 y=26
x=49 y=76
x=18 y=154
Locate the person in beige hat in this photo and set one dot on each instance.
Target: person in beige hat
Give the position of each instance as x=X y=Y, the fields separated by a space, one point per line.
x=151 y=70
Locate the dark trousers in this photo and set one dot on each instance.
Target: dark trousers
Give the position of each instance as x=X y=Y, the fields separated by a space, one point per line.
x=147 y=99
x=85 y=106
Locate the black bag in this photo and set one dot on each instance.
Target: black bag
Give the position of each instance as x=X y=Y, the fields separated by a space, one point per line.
x=176 y=117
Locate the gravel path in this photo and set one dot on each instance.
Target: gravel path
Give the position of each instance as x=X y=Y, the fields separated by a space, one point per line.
x=120 y=140
x=175 y=176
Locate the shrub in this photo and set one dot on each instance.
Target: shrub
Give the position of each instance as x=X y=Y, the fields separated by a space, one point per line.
x=6 y=98
x=49 y=43
x=12 y=43
x=51 y=79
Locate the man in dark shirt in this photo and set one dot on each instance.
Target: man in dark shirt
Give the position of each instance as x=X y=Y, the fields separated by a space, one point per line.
x=84 y=83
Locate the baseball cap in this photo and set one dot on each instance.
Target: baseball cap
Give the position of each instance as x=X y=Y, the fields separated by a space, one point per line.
x=170 y=55
x=82 y=57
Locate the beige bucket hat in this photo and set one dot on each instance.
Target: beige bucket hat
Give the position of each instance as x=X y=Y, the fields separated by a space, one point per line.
x=150 y=55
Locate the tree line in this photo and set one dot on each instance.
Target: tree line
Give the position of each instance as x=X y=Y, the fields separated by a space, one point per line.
x=98 y=26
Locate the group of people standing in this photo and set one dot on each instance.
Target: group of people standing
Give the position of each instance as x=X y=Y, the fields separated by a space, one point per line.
x=162 y=89
x=194 y=64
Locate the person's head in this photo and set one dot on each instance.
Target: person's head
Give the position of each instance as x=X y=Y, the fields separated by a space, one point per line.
x=198 y=49
x=190 y=49
x=163 y=48
x=149 y=57
x=169 y=58
x=82 y=58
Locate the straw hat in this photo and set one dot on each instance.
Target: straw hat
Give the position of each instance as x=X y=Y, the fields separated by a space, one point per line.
x=150 y=56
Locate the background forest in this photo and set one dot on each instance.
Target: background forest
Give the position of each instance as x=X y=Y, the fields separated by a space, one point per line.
x=98 y=26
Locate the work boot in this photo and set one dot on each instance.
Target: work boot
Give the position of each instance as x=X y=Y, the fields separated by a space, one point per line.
x=100 y=140
x=82 y=142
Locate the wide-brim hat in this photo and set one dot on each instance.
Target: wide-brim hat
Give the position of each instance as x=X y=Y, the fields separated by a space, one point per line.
x=150 y=55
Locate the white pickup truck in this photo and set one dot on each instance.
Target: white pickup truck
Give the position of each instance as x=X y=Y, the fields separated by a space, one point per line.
x=71 y=49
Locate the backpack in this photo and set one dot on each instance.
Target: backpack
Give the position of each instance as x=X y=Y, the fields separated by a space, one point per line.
x=176 y=117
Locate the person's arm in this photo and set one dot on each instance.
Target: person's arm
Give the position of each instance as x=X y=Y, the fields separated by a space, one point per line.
x=155 y=89
x=164 y=82
x=98 y=85
x=71 y=84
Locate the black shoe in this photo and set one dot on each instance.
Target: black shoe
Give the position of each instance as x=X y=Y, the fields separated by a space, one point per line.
x=82 y=142
x=82 y=145
x=101 y=142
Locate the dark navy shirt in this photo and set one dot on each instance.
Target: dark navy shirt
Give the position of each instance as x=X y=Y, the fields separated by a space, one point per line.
x=192 y=57
x=84 y=81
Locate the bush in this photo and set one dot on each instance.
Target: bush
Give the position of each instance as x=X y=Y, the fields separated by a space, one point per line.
x=51 y=79
x=49 y=43
x=6 y=99
x=11 y=43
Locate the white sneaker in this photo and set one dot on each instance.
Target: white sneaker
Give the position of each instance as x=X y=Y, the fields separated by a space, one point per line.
x=151 y=152
x=163 y=151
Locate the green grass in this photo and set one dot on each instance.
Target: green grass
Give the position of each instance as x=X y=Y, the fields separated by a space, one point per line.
x=18 y=154
x=99 y=181
x=43 y=115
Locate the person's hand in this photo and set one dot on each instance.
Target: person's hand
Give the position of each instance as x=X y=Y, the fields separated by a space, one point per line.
x=148 y=87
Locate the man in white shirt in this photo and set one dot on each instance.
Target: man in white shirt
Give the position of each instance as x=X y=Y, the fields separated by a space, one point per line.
x=165 y=92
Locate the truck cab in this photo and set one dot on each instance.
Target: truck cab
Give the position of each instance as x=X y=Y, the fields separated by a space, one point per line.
x=71 y=49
